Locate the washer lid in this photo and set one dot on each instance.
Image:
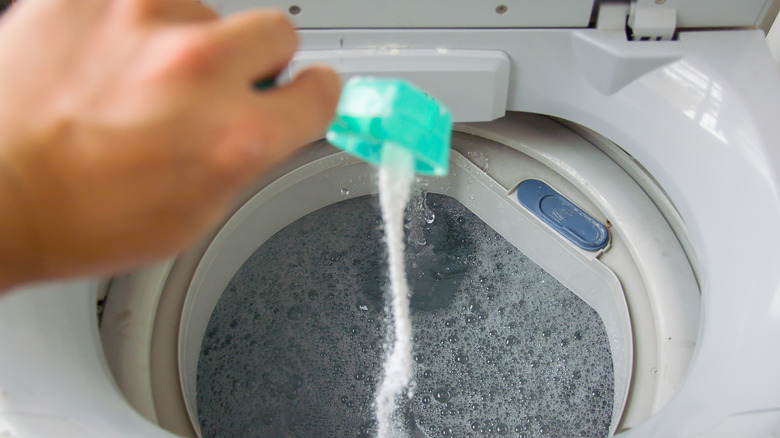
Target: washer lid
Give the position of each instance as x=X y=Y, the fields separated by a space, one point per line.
x=318 y=14
x=423 y=13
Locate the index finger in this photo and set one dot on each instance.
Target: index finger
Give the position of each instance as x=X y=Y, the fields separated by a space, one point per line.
x=257 y=44
x=307 y=104
x=267 y=127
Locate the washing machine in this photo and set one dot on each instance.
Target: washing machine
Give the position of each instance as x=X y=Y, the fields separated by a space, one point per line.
x=628 y=150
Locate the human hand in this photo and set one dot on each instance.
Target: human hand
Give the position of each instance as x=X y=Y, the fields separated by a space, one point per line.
x=127 y=126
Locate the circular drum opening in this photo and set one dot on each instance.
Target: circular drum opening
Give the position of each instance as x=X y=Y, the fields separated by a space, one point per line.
x=520 y=306
x=295 y=343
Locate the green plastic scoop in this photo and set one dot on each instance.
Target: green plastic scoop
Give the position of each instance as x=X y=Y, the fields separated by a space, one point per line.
x=376 y=114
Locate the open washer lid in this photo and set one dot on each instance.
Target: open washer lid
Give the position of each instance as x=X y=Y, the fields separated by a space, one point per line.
x=342 y=14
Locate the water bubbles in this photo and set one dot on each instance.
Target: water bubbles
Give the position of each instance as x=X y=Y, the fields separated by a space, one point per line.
x=427 y=212
x=419 y=215
x=441 y=395
x=429 y=216
x=416 y=236
x=480 y=159
x=487 y=366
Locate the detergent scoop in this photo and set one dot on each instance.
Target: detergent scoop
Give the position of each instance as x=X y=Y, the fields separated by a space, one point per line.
x=377 y=115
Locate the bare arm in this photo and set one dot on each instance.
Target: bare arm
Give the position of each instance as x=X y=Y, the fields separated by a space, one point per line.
x=127 y=126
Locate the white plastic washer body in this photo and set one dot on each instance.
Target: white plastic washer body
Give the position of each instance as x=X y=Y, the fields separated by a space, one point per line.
x=699 y=113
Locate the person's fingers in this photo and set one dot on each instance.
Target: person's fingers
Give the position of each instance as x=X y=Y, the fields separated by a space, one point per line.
x=185 y=10
x=167 y=11
x=258 y=44
x=267 y=127
x=307 y=104
x=271 y=125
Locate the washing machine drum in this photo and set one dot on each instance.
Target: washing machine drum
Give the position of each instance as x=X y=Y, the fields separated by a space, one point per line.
x=522 y=294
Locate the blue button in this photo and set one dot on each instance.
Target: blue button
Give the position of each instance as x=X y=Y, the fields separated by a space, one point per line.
x=562 y=215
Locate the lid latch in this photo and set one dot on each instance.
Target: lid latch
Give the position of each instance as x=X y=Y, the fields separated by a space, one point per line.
x=652 y=20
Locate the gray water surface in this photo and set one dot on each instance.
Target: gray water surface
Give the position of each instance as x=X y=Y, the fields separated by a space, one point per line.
x=295 y=344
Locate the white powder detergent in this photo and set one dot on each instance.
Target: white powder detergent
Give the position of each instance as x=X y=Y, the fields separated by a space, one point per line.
x=395 y=180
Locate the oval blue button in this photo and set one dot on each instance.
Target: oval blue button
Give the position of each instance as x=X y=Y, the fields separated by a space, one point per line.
x=562 y=215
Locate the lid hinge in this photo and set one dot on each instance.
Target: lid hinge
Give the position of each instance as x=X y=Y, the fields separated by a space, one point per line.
x=651 y=20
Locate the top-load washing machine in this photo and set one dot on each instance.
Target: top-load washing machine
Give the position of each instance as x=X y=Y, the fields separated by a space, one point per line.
x=629 y=150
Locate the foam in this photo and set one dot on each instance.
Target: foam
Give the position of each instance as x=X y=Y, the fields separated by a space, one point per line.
x=295 y=344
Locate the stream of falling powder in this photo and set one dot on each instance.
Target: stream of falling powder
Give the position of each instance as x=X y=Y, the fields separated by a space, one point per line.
x=395 y=180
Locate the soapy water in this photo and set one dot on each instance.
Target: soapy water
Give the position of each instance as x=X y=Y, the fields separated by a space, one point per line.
x=419 y=214
x=295 y=344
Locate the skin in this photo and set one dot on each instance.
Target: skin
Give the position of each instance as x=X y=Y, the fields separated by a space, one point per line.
x=127 y=126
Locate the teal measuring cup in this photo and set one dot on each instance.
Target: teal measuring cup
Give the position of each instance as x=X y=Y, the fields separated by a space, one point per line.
x=374 y=114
